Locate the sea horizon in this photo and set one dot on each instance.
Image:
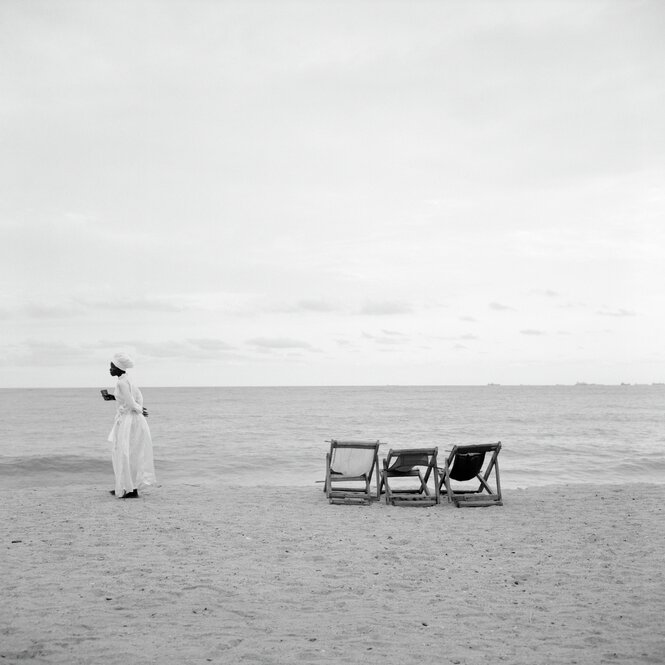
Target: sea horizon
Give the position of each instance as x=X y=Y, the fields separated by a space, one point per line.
x=361 y=385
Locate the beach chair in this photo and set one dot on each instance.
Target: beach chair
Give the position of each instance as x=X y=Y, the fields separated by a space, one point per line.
x=467 y=475
x=350 y=466
x=401 y=466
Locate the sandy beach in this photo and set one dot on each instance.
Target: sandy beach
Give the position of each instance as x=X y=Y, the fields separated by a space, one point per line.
x=198 y=574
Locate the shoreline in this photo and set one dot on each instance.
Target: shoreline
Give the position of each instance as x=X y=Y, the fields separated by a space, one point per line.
x=203 y=573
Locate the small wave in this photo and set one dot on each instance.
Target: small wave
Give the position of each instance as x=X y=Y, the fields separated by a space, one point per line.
x=640 y=467
x=48 y=464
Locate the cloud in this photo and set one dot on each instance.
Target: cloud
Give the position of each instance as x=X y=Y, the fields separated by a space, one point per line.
x=390 y=341
x=47 y=354
x=499 y=307
x=574 y=305
x=532 y=332
x=617 y=313
x=385 y=308
x=279 y=343
x=47 y=311
x=468 y=319
x=189 y=349
x=79 y=307
x=211 y=344
x=312 y=305
x=466 y=337
x=392 y=333
x=387 y=338
x=142 y=304
x=316 y=306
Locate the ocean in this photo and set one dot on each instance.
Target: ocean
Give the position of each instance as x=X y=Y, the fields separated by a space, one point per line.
x=277 y=436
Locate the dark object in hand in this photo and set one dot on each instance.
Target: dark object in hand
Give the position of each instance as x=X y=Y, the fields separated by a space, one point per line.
x=106 y=396
x=145 y=412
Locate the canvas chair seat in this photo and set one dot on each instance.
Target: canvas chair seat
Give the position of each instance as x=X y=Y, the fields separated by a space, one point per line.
x=350 y=467
x=352 y=461
x=473 y=468
x=407 y=461
x=420 y=463
x=467 y=466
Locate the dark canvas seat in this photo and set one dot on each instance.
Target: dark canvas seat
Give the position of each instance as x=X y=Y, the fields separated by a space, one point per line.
x=469 y=473
x=350 y=466
x=410 y=463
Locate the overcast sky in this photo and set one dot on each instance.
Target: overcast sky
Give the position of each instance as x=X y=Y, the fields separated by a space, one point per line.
x=332 y=192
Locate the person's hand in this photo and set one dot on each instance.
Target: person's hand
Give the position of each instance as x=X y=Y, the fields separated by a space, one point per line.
x=145 y=412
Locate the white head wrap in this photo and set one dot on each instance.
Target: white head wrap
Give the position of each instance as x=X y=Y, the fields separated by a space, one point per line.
x=122 y=361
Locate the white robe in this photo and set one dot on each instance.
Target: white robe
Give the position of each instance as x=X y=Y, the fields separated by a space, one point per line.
x=132 y=445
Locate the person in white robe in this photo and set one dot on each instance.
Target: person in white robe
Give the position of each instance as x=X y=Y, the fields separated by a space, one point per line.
x=133 y=463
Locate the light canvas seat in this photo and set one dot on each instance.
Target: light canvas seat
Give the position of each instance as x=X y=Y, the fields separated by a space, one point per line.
x=350 y=466
x=400 y=467
x=469 y=473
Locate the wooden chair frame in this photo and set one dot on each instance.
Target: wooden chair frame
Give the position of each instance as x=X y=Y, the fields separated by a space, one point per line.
x=406 y=463
x=470 y=460
x=351 y=494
